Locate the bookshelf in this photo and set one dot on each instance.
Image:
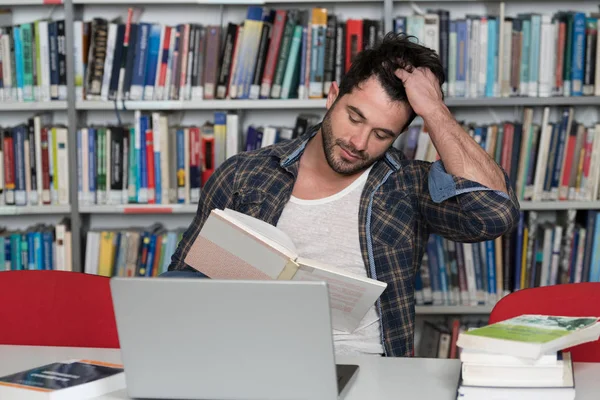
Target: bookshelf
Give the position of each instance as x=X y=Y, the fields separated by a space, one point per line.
x=77 y=113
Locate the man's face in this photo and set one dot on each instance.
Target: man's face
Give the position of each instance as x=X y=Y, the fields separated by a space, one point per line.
x=361 y=126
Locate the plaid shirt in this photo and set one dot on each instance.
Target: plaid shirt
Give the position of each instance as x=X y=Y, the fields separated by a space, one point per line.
x=403 y=202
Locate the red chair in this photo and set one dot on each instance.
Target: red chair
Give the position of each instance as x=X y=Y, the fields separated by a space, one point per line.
x=571 y=300
x=56 y=308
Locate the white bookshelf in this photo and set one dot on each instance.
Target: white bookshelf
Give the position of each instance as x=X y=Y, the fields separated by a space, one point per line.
x=454 y=310
x=34 y=106
x=13 y=3
x=140 y=209
x=292 y=104
x=35 y=210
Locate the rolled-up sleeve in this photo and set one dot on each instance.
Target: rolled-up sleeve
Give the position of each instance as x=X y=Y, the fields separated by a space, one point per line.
x=463 y=210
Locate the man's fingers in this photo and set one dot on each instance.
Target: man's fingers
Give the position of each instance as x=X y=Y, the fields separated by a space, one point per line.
x=402 y=74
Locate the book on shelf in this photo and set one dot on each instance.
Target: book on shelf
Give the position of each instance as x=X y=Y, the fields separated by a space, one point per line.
x=71 y=379
x=232 y=245
x=34 y=163
x=32 y=60
x=535 y=254
x=130 y=252
x=39 y=247
x=155 y=162
x=272 y=53
x=532 y=54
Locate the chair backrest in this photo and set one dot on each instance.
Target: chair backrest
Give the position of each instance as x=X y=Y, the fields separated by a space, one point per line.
x=56 y=308
x=571 y=300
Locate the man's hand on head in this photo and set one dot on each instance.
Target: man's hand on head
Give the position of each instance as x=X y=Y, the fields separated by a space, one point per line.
x=422 y=89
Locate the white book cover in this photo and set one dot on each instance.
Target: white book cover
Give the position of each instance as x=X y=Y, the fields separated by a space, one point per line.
x=163 y=124
x=53 y=177
x=470 y=272
x=557 y=240
x=232 y=245
x=501 y=44
x=108 y=60
x=62 y=158
x=170 y=67
x=452 y=37
x=474 y=58
x=547 y=49
x=432 y=32
x=233 y=135
x=7 y=82
x=108 y=167
x=593 y=184
x=547 y=258
x=45 y=61
x=26 y=154
x=483 y=51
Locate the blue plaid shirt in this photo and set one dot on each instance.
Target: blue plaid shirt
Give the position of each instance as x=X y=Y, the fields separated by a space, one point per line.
x=403 y=202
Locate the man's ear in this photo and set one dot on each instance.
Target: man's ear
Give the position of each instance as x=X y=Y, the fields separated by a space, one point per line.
x=333 y=94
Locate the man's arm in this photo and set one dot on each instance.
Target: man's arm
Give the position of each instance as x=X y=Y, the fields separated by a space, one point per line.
x=466 y=196
x=461 y=155
x=216 y=193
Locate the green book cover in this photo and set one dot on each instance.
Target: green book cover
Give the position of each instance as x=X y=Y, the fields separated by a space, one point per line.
x=533 y=328
x=2 y=253
x=284 y=51
x=291 y=69
x=26 y=39
x=38 y=62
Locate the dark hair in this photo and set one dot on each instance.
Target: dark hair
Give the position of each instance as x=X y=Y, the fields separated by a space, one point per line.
x=396 y=50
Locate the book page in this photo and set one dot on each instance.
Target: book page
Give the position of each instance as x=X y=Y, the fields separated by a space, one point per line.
x=266 y=230
x=350 y=296
x=226 y=250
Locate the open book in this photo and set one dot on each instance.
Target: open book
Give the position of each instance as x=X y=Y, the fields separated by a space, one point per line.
x=232 y=245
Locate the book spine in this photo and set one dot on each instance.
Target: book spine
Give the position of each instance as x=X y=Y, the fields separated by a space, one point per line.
x=578 y=60
x=136 y=91
x=273 y=54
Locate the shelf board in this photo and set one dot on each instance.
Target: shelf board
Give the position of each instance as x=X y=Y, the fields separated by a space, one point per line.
x=559 y=205
x=320 y=103
x=203 y=105
x=33 y=106
x=14 y=3
x=522 y=101
x=151 y=209
x=34 y=210
x=441 y=310
x=216 y=3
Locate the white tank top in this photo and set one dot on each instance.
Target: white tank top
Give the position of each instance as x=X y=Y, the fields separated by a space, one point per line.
x=326 y=230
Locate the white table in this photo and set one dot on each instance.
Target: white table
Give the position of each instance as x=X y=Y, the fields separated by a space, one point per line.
x=378 y=378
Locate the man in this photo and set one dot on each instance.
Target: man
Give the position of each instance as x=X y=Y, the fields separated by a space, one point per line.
x=346 y=197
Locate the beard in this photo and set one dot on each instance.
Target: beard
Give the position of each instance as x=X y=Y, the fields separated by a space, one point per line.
x=337 y=163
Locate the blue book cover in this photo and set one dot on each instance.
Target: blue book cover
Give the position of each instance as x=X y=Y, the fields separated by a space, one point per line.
x=15 y=249
x=560 y=150
x=578 y=61
x=30 y=251
x=491 y=266
x=151 y=255
x=79 y=164
x=519 y=250
x=251 y=138
x=551 y=157
x=92 y=163
x=2 y=254
x=400 y=25
x=38 y=250
x=180 y=142
x=19 y=154
x=7 y=253
x=462 y=58
x=48 y=252
x=153 y=52
x=490 y=83
x=595 y=259
x=477 y=262
x=444 y=273
x=139 y=64
x=433 y=262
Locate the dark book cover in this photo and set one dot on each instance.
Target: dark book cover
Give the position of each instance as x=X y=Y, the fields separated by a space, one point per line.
x=116 y=66
x=340 y=51
x=98 y=48
x=62 y=58
x=330 y=53
x=129 y=61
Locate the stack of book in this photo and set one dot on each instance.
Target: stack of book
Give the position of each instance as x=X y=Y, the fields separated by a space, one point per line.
x=523 y=357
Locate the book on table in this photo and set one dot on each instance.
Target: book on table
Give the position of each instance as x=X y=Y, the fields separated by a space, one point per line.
x=67 y=380
x=233 y=245
x=523 y=357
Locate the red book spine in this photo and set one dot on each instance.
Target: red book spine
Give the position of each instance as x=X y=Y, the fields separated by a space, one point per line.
x=165 y=58
x=589 y=144
x=208 y=154
x=560 y=53
x=273 y=54
x=569 y=157
x=150 y=165
x=507 y=147
x=9 y=170
x=354 y=40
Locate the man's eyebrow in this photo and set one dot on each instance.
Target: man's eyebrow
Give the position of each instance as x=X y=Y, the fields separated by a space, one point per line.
x=357 y=111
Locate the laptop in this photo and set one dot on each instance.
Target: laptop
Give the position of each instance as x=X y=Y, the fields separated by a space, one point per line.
x=227 y=339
